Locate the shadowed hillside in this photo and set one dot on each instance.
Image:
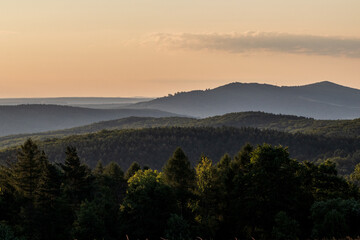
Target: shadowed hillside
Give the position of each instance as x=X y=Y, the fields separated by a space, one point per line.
x=38 y=118
x=324 y=100
x=153 y=146
x=285 y=123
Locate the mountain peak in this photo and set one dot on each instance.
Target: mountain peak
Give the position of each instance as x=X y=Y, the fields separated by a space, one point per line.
x=322 y=100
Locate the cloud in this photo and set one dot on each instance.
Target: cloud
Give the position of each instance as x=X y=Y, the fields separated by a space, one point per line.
x=261 y=41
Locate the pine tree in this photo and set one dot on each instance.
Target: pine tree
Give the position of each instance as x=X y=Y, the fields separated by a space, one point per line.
x=179 y=175
x=77 y=184
x=26 y=174
x=27 y=169
x=114 y=176
x=48 y=204
x=134 y=167
x=99 y=169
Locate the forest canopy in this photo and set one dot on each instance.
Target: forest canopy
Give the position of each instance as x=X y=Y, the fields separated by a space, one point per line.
x=260 y=192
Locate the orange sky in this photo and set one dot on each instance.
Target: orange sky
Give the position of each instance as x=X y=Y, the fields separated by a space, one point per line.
x=117 y=48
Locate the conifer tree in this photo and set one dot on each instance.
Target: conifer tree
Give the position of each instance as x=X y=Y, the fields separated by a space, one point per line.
x=134 y=167
x=48 y=204
x=27 y=169
x=26 y=174
x=99 y=169
x=77 y=184
x=179 y=175
x=114 y=176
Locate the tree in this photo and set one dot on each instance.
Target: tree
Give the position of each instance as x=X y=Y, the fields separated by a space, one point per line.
x=207 y=191
x=134 y=167
x=88 y=224
x=6 y=233
x=179 y=175
x=335 y=218
x=147 y=206
x=27 y=169
x=99 y=169
x=285 y=227
x=355 y=176
x=114 y=179
x=272 y=185
x=177 y=228
x=26 y=174
x=49 y=218
x=323 y=182
x=77 y=183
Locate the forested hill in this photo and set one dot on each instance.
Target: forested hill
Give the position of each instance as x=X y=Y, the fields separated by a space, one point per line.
x=153 y=146
x=324 y=100
x=287 y=123
x=38 y=118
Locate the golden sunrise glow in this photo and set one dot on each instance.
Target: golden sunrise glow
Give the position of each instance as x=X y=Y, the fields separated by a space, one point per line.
x=102 y=48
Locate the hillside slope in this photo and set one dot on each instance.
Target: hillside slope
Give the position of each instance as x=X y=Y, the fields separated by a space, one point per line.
x=285 y=123
x=153 y=146
x=38 y=118
x=324 y=100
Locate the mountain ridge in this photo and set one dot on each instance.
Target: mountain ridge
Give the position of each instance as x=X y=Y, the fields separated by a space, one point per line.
x=260 y=120
x=31 y=118
x=323 y=100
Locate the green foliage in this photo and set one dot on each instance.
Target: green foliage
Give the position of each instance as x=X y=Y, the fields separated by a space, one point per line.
x=77 y=178
x=177 y=228
x=180 y=176
x=261 y=120
x=355 y=176
x=153 y=146
x=27 y=169
x=147 y=205
x=285 y=228
x=25 y=177
x=134 y=167
x=335 y=218
x=6 y=233
x=99 y=169
x=259 y=193
x=207 y=192
x=88 y=224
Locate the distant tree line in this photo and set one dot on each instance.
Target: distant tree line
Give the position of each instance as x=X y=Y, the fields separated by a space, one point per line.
x=152 y=146
x=259 y=193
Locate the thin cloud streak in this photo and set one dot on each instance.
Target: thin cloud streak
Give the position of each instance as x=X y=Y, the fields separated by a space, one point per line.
x=261 y=41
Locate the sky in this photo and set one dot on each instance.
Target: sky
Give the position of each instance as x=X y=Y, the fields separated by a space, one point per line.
x=124 y=48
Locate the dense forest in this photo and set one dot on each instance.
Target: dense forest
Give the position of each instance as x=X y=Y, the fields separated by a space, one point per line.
x=261 y=120
x=258 y=193
x=152 y=146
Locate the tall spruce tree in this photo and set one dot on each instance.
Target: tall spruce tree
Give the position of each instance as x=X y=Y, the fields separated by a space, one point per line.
x=47 y=203
x=134 y=167
x=77 y=184
x=180 y=176
x=26 y=174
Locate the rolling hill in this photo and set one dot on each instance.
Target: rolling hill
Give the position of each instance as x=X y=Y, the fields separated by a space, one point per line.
x=323 y=100
x=285 y=123
x=153 y=146
x=39 y=118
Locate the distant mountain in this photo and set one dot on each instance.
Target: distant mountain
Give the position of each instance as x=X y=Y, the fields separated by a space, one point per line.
x=89 y=102
x=261 y=120
x=39 y=118
x=323 y=100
